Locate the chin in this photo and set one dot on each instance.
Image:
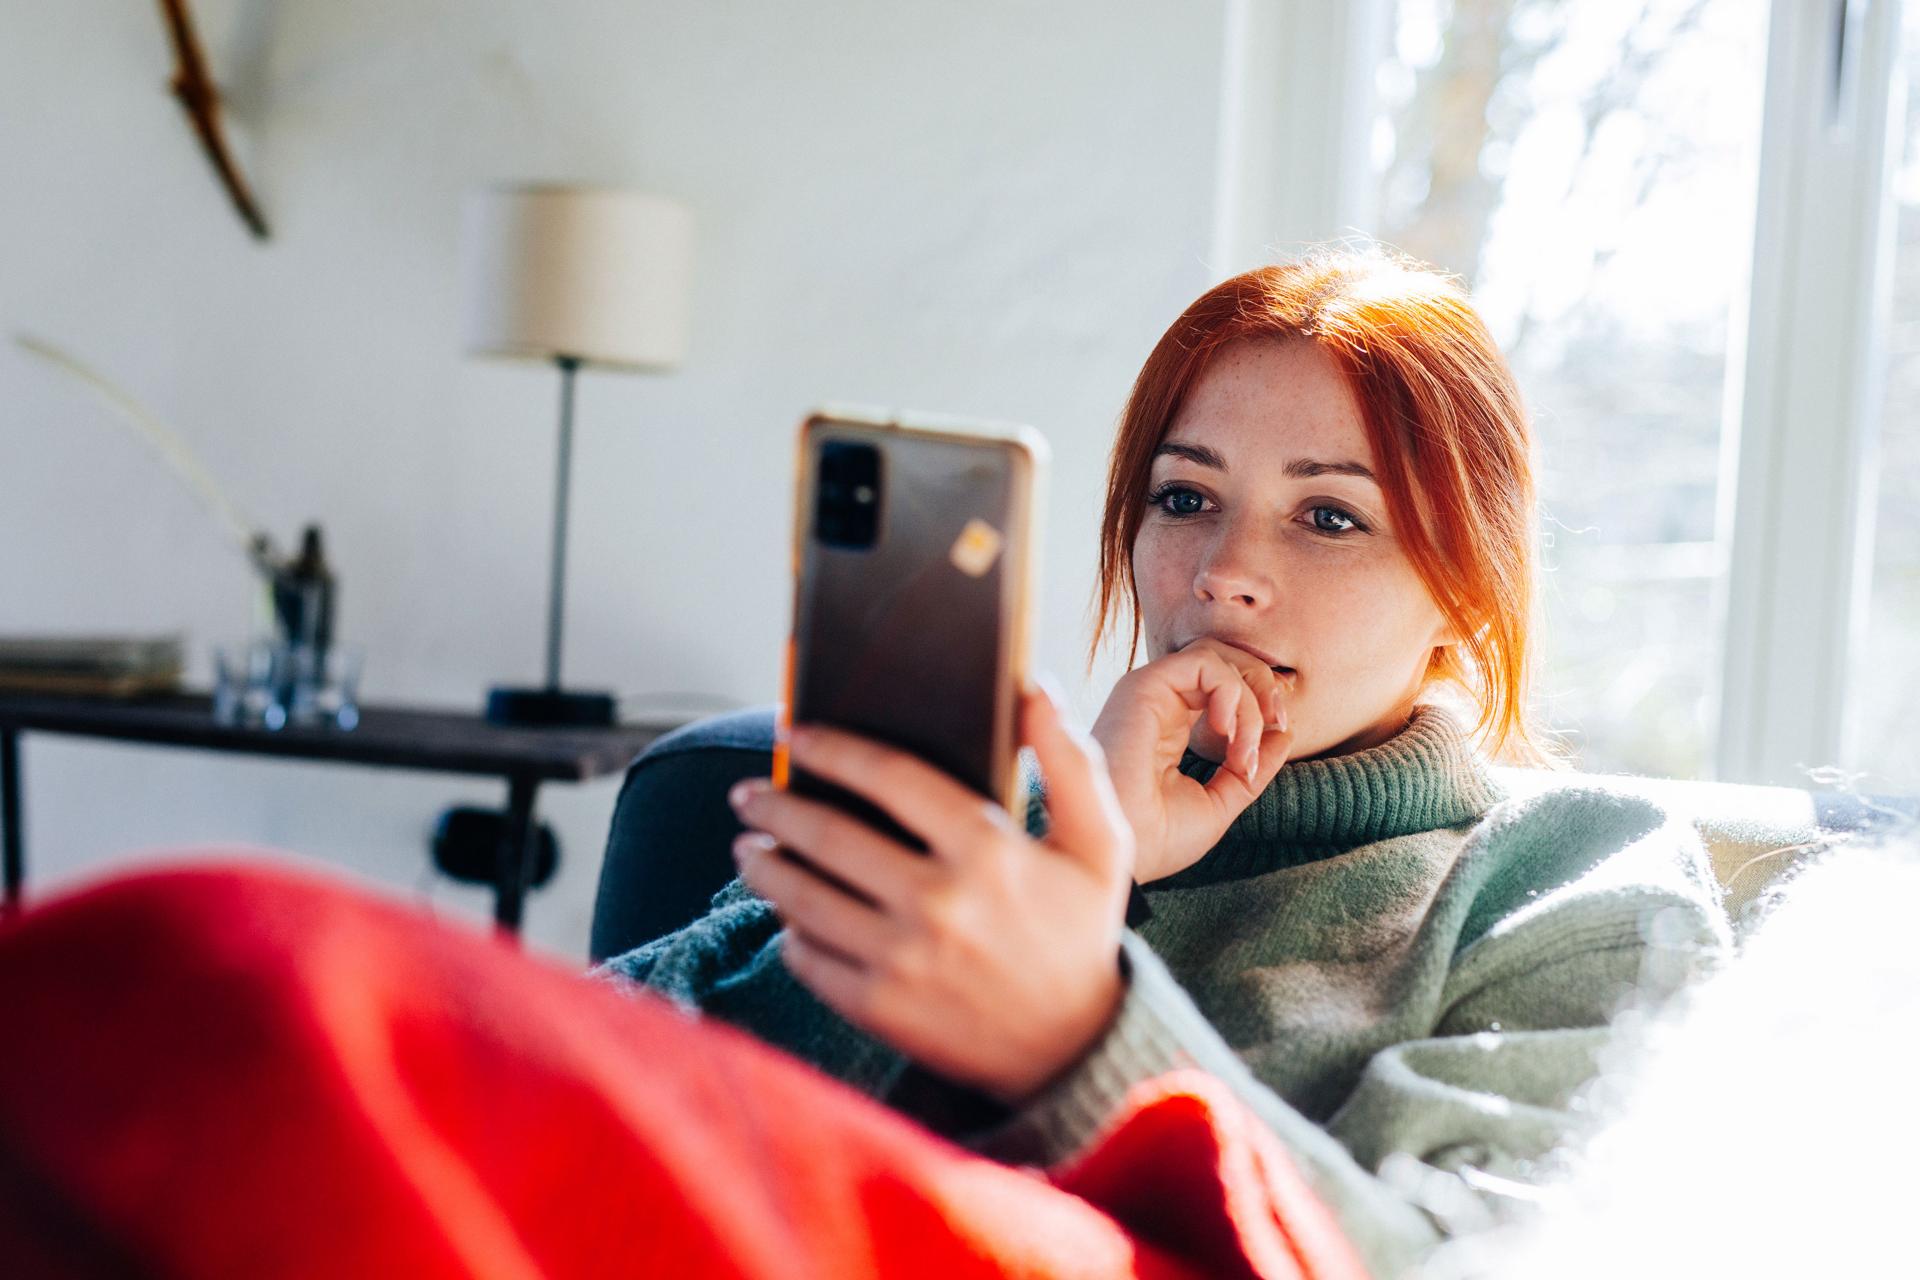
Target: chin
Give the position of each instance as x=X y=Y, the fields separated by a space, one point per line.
x=1317 y=746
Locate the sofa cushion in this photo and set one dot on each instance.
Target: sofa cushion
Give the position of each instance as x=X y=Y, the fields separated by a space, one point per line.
x=670 y=846
x=1753 y=834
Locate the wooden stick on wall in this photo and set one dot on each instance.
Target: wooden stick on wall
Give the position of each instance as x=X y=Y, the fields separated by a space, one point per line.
x=197 y=93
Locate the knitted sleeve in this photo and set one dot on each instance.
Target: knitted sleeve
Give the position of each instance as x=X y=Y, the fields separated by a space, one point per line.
x=1442 y=1132
x=727 y=965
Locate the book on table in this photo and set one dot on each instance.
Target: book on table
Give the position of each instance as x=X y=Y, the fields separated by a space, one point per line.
x=110 y=666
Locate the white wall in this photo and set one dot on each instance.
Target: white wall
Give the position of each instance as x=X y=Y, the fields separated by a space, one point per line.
x=990 y=208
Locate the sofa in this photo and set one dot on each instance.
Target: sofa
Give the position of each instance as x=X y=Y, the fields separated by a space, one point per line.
x=669 y=846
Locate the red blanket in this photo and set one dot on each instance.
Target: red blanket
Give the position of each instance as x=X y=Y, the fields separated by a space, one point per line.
x=231 y=1071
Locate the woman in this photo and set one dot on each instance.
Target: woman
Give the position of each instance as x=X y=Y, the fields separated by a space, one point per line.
x=1320 y=510
x=1392 y=982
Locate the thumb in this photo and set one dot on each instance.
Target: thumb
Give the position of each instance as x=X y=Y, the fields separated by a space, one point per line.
x=1083 y=814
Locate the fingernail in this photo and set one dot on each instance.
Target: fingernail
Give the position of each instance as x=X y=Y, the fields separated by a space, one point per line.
x=1056 y=696
x=800 y=737
x=739 y=794
x=751 y=842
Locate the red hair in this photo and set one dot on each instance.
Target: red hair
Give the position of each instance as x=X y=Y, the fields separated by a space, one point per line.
x=1449 y=435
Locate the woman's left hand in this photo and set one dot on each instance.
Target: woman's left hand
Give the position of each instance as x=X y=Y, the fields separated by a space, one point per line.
x=992 y=958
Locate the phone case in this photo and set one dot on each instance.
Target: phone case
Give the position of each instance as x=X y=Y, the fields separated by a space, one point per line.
x=921 y=639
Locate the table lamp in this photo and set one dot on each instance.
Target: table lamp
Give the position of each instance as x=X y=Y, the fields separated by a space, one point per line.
x=576 y=276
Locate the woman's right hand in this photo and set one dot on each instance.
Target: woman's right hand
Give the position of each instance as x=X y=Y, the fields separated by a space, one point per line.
x=1146 y=726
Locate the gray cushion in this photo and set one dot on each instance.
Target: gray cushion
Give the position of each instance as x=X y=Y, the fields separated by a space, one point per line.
x=670 y=846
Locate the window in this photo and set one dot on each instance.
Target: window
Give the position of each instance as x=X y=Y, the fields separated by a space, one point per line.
x=1588 y=169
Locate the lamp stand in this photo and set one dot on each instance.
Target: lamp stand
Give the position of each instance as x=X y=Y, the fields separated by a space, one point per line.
x=552 y=705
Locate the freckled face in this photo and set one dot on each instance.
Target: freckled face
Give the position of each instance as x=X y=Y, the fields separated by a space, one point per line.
x=1265 y=529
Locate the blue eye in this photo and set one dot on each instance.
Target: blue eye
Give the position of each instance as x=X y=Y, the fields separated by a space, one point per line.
x=1177 y=500
x=1334 y=521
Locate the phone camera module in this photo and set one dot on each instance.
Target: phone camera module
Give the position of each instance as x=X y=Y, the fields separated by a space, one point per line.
x=847 y=495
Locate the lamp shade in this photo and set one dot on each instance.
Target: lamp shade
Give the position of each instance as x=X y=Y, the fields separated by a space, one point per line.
x=590 y=273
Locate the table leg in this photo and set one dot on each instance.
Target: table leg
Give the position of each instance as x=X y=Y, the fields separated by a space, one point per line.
x=11 y=851
x=518 y=849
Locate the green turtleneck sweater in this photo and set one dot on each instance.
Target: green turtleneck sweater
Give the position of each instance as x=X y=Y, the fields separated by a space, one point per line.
x=1405 y=974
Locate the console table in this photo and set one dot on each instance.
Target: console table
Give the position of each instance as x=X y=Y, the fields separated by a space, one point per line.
x=434 y=741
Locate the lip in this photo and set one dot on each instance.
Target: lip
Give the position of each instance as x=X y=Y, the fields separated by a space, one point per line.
x=1237 y=643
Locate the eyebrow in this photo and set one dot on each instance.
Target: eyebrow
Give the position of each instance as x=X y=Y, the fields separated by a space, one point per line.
x=1298 y=468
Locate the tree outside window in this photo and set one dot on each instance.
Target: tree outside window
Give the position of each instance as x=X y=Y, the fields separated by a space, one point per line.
x=1588 y=169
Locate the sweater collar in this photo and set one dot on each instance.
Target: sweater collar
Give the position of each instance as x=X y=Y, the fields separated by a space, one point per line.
x=1425 y=777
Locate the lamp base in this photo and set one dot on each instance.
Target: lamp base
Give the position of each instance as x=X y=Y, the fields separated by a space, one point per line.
x=551 y=708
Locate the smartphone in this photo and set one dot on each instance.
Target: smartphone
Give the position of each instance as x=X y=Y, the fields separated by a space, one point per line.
x=913 y=566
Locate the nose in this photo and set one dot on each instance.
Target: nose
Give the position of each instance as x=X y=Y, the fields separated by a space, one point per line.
x=1230 y=573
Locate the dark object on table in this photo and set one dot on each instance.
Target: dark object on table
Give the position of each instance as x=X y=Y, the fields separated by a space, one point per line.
x=91 y=666
x=303 y=590
x=293 y=680
x=395 y=737
x=551 y=706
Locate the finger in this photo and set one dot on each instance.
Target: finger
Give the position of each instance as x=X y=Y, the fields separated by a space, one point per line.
x=1234 y=710
x=1276 y=707
x=1269 y=686
x=1234 y=791
x=1083 y=813
x=808 y=903
x=1284 y=688
x=1211 y=683
x=1204 y=681
x=1223 y=707
x=838 y=844
x=1249 y=723
x=949 y=816
x=842 y=984
x=1220 y=672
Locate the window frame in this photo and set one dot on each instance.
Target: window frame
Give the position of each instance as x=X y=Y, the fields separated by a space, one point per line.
x=1796 y=493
